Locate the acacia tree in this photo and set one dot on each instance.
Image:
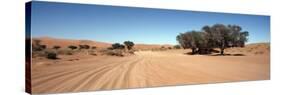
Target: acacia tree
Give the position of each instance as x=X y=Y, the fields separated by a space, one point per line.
x=117 y=46
x=129 y=44
x=219 y=36
x=192 y=40
x=216 y=36
x=222 y=36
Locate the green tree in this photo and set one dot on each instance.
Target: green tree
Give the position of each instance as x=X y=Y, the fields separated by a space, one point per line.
x=129 y=44
x=216 y=36
x=118 y=46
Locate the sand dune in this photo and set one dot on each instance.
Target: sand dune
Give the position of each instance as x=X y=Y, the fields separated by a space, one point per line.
x=64 y=43
x=252 y=49
x=144 y=69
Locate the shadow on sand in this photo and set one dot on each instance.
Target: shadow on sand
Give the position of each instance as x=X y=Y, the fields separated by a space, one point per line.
x=190 y=53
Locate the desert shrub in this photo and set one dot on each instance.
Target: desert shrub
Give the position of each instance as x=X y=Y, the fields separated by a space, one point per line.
x=65 y=52
x=69 y=53
x=36 y=45
x=177 y=47
x=94 y=47
x=109 y=48
x=72 y=47
x=93 y=53
x=169 y=47
x=38 y=54
x=56 y=47
x=162 y=48
x=43 y=46
x=131 y=51
x=51 y=55
x=115 y=52
x=84 y=47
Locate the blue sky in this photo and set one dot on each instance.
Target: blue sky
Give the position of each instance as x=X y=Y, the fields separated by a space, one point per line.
x=140 y=25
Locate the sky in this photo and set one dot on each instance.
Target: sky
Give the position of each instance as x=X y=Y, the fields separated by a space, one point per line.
x=114 y=24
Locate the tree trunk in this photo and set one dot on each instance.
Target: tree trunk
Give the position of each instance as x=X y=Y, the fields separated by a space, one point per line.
x=193 y=50
x=222 y=51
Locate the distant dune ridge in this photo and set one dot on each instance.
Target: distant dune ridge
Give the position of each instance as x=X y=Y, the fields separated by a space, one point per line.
x=64 y=43
x=50 y=42
x=254 y=48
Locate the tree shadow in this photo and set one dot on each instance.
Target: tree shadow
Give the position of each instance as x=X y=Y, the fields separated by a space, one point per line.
x=189 y=53
x=212 y=54
x=228 y=55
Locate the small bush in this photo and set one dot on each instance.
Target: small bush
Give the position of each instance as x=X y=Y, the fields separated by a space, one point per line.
x=56 y=47
x=65 y=52
x=115 y=53
x=94 y=47
x=94 y=54
x=177 y=47
x=169 y=47
x=69 y=53
x=72 y=47
x=36 y=45
x=52 y=55
x=84 y=47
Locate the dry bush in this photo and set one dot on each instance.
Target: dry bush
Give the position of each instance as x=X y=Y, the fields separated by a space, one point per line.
x=51 y=55
x=65 y=52
x=131 y=52
x=38 y=54
x=92 y=52
x=115 y=52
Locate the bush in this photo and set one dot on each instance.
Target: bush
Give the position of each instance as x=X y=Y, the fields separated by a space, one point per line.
x=169 y=47
x=177 y=47
x=116 y=52
x=52 y=55
x=94 y=47
x=56 y=47
x=93 y=53
x=64 y=52
x=72 y=47
x=84 y=46
x=36 y=45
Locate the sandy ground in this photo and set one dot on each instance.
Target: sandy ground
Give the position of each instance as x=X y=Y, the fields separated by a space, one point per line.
x=144 y=69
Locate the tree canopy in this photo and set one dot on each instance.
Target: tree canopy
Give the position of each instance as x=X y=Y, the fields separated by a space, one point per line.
x=216 y=36
x=129 y=44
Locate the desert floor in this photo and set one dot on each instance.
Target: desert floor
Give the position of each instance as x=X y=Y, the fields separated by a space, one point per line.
x=144 y=69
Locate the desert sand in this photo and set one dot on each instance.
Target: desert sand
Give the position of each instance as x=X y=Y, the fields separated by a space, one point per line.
x=148 y=69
